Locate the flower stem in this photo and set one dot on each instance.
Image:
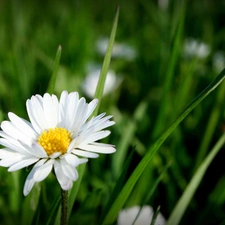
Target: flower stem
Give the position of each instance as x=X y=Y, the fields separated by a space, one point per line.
x=64 y=207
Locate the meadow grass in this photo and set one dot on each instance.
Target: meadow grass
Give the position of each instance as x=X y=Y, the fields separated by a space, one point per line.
x=168 y=108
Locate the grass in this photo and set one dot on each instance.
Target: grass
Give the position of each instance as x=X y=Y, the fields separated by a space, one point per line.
x=156 y=86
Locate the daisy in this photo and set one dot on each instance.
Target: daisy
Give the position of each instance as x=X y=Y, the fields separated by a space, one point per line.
x=91 y=81
x=59 y=135
x=137 y=215
x=196 y=48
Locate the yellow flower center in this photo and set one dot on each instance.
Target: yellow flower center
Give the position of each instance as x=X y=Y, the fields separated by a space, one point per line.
x=55 y=140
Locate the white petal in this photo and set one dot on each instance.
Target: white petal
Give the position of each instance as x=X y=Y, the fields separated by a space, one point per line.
x=80 y=116
x=23 y=163
x=65 y=182
x=14 y=145
x=83 y=160
x=85 y=154
x=36 y=113
x=63 y=96
x=7 y=153
x=35 y=150
x=72 y=144
x=50 y=108
x=72 y=104
x=43 y=171
x=106 y=149
x=96 y=136
x=10 y=129
x=32 y=117
x=98 y=120
x=23 y=126
x=68 y=106
x=91 y=106
x=7 y=162
x=103 y=123
x=69 y=170
x=81 y=137
x=9 y=157
x=29 y=183
x=55 y=155
x=72 y=160
x=62 y=108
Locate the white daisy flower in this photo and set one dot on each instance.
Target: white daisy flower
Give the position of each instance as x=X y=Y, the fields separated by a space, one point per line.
x=56 y=136
x=91 y=81
x=196 y=48
x=137 y=215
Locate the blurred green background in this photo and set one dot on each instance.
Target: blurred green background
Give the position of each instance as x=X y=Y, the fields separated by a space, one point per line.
x=166 y=53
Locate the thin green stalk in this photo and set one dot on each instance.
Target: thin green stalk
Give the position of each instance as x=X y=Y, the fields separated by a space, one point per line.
x=169 y=77
x=127 y=137
x=106 y=62
x=64 y=207
x=211 y=126
x=156 y=213
x=51 y=85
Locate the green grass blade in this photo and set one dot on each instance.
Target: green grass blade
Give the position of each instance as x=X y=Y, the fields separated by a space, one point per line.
x=118 y=186
x=125 y=192
x=169 y=76
x=187 y=195
x=15 y=197
x=126 y=139
x=106 y=62
x=155 y=216
x=54 y=209
x=51 y=85
x=156 y=183
x=211 y=126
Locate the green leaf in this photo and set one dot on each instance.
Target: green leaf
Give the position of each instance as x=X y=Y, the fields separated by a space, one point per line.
x=106 y=62
x=51 y=85
x=155 y=216
x=118 y=186
x=14 y=196
x=156 y=183
x=187 y=195
x=54 y=210
x=212 y=123
x=126 y=139
x=128 y=187
x=169 y=76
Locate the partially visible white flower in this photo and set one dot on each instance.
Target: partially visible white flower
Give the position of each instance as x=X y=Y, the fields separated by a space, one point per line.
x=128 y=216
x=195 y=48
x=56 y=136
x=119 y=50
x=91 y=81
x=218 y=61
x=163 y=4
